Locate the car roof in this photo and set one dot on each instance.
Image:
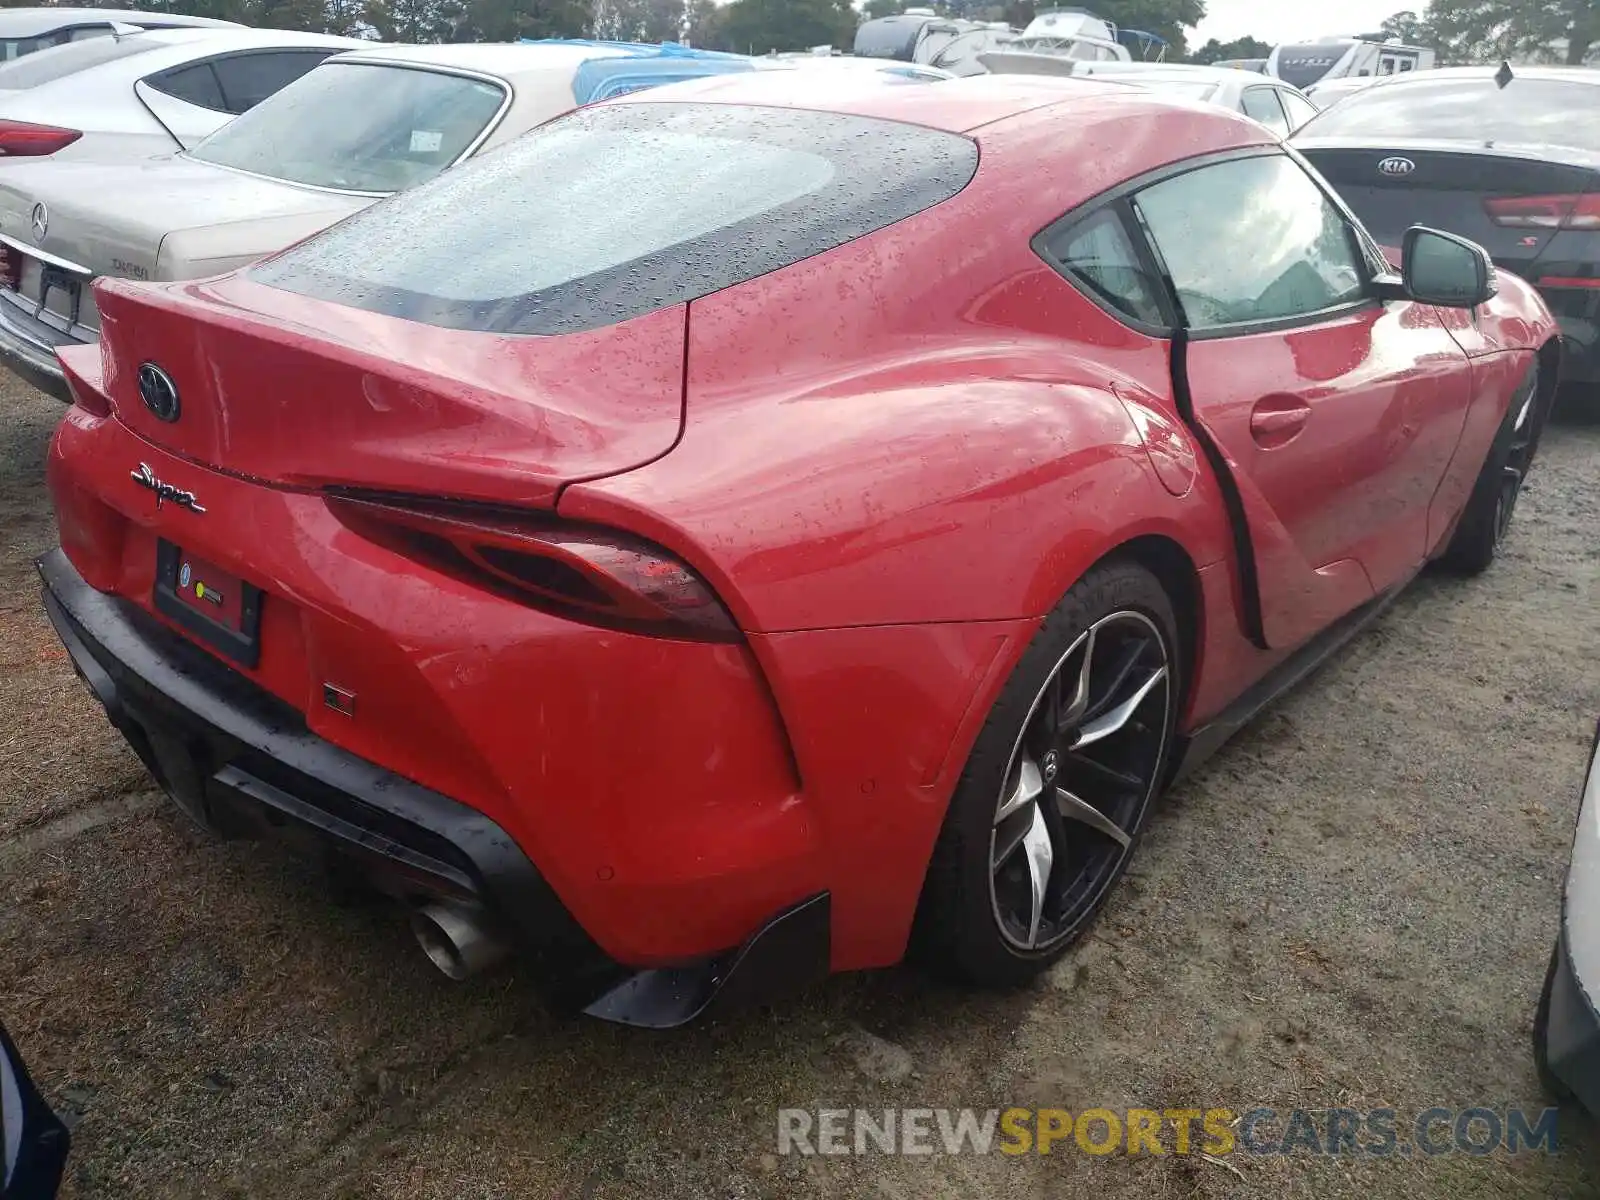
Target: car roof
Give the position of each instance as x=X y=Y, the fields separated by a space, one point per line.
x=956 y=105
x=220 y=40
x=504 y=59
x=1438 y=74
x=158 y=50
x=30 y=22
x=1181 y=71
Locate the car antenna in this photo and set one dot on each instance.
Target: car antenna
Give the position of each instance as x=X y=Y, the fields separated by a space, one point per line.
x=1503 y=76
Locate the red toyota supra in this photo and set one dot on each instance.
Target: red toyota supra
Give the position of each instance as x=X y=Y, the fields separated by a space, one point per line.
x=748 y=530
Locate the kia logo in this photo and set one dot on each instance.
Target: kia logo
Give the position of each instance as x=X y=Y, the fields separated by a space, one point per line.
x=159 y=393
x=1396 y=167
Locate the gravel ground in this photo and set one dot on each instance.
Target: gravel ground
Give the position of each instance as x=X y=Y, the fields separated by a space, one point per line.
x=1352 y=906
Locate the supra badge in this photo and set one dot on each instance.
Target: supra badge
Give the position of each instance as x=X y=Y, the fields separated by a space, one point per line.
x=146 y=478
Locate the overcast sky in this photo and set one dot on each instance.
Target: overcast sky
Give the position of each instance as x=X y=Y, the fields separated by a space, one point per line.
x=1275 y=21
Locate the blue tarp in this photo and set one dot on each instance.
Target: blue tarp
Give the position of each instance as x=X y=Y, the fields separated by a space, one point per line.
x=642 y=66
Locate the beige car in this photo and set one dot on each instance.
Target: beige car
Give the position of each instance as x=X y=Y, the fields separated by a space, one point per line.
x=360 y=127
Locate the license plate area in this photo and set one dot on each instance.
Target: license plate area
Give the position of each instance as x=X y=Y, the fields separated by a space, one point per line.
x=214 y=605
x=61 y=293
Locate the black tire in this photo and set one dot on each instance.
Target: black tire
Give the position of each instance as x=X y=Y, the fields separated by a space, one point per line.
x=1487 y=516
x=960 y=928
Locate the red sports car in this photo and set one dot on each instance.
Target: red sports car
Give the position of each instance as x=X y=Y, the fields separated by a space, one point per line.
x=735 y=534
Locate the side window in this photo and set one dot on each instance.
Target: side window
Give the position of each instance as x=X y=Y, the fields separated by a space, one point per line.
x=248 y=79
x=1100 y=257
x=1251 y=240
x=1299 y=109
x=194 y=84
x=1261 y=104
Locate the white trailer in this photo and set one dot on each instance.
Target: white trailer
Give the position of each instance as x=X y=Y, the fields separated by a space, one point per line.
x=1308 y=63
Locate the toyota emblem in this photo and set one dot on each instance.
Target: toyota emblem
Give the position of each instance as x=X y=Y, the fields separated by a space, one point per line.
x=159 y=393
x=1396 y=167
x=39 y=221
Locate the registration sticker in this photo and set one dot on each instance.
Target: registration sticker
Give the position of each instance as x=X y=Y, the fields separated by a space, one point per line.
x=426 y=141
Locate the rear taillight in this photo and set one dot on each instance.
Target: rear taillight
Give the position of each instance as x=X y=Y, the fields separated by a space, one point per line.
x=1546 y=212
x=583 y=573
x=23 y=139
x=10 y=267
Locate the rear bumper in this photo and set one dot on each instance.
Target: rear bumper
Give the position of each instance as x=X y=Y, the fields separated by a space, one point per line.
x=1569 y=1033
x=29 y=353
x=243 y=763
x=1577 y=310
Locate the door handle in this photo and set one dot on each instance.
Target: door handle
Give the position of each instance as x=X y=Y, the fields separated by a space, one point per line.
x=1277 y=420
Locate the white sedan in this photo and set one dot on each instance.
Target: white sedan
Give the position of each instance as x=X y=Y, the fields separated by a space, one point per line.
x=29 y=30
x=129 y=96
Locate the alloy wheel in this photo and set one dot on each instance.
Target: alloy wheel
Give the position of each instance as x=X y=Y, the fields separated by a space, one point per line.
x=1080 y=779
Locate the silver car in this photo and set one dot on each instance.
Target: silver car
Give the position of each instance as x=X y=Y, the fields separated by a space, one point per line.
x=360 y=127
x=27 y=30
x=135 y=95
x=1277 y=105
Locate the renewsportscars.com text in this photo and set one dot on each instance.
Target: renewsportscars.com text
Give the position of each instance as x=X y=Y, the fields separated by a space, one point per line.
x=1376 y=1132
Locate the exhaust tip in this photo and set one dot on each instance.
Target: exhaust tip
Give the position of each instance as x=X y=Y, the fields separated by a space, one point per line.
x=457 y=939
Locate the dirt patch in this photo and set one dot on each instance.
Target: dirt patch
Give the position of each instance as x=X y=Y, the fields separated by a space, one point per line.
x=1352 y=906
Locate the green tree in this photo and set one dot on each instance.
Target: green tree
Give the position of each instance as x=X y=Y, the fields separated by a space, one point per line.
x=1408 y=27
x=509 y=20
x=1245 y=47
x=411 y=20
x=702 y=20
x=639 y=20
x=1019 y=12
x=1481 y=31
x=1165 y=18
x=757 y=26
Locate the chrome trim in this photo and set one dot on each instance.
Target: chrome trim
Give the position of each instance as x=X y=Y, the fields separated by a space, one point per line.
x=508 y=97
x=54 y=260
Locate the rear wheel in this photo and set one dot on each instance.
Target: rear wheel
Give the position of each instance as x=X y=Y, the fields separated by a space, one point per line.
x=1055 y=795
x=1487 y=518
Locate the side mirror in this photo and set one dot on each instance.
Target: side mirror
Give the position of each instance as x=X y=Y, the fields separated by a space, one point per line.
x=1441 y=268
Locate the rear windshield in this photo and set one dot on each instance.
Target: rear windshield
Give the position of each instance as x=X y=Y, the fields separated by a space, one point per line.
x=614 y=211
x=1526 y=112
x=57 y=62
x=359 y=127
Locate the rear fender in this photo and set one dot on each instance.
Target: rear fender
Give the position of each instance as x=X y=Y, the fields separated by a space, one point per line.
x=978 y=498
x=889 y=616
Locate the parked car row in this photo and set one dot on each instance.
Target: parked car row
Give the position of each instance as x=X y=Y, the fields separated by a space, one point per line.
x=908 y=482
